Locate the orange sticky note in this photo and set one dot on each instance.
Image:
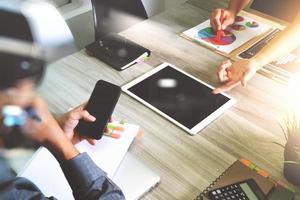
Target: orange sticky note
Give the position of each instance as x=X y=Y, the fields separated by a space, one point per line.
x=245 y=162
x=116 y=127
x=262 y=173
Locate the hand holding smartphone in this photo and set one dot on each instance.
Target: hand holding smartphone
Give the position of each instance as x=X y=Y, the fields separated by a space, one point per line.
x=101 y=105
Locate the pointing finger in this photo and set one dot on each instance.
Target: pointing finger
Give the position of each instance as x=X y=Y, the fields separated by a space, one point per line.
x=226 y=87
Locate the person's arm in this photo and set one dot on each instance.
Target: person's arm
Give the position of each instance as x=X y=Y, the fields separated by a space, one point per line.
x=11 y=187
x=22 y=188
x=284 y=42
x=241 y=71
x=234 y=7
x=5 y=172
x=86 y=179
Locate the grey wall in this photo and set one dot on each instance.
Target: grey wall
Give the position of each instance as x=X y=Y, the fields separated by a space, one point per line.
x=82 y=27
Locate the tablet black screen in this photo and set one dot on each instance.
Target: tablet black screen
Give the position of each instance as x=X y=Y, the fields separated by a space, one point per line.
x=179 y=96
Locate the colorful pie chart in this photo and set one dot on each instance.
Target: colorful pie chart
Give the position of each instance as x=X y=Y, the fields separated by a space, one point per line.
x=208 y=35
x=252 y=24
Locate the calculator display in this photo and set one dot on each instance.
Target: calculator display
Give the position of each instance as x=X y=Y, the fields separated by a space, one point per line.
x=249 y=193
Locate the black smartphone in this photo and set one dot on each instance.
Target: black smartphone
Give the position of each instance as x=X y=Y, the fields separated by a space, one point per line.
x=101 y=105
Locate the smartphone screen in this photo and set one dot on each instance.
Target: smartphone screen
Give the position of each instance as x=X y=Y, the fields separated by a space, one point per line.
x=101 y=105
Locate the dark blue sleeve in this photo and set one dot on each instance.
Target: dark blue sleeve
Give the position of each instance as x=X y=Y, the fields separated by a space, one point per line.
x=16 y=188
x=88 y=181
x=5 y=171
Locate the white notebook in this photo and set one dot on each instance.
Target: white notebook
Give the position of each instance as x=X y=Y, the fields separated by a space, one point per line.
x=243 y=30
x=45 y=172
x=135 y=178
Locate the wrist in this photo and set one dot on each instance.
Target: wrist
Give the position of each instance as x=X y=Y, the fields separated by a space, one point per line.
x=232 y=12
x=255 y=63
x=61 y=147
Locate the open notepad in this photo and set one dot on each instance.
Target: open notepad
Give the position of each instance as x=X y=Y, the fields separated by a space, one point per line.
x=45 y=172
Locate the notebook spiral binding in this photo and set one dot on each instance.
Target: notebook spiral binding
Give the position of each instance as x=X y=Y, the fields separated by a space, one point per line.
x=206 y=190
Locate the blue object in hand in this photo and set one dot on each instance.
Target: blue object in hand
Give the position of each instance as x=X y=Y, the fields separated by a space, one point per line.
x=16 y=116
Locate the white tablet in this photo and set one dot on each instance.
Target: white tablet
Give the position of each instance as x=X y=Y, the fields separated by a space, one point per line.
x=181 y=98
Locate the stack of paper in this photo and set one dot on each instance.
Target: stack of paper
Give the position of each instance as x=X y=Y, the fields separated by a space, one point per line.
x=45 y=172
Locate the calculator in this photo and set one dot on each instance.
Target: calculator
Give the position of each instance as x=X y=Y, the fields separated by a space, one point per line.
x=245 y=190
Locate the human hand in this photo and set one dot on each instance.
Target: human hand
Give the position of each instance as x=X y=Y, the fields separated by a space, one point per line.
x=70 y=120
x=41 y=131
x=44 y=131
x=47 y=132
x=234 y=74
x=215 y=22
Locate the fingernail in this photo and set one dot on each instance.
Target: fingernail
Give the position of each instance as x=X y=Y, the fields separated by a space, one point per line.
x=217 y=91
x=92 y=118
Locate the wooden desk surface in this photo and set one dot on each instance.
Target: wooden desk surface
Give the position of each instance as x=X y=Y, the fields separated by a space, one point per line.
x=187 y=164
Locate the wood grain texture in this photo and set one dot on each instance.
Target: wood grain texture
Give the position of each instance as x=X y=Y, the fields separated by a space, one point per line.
x=187 y=164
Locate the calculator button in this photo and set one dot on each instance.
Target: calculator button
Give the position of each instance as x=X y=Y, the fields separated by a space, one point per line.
x=219 y=191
